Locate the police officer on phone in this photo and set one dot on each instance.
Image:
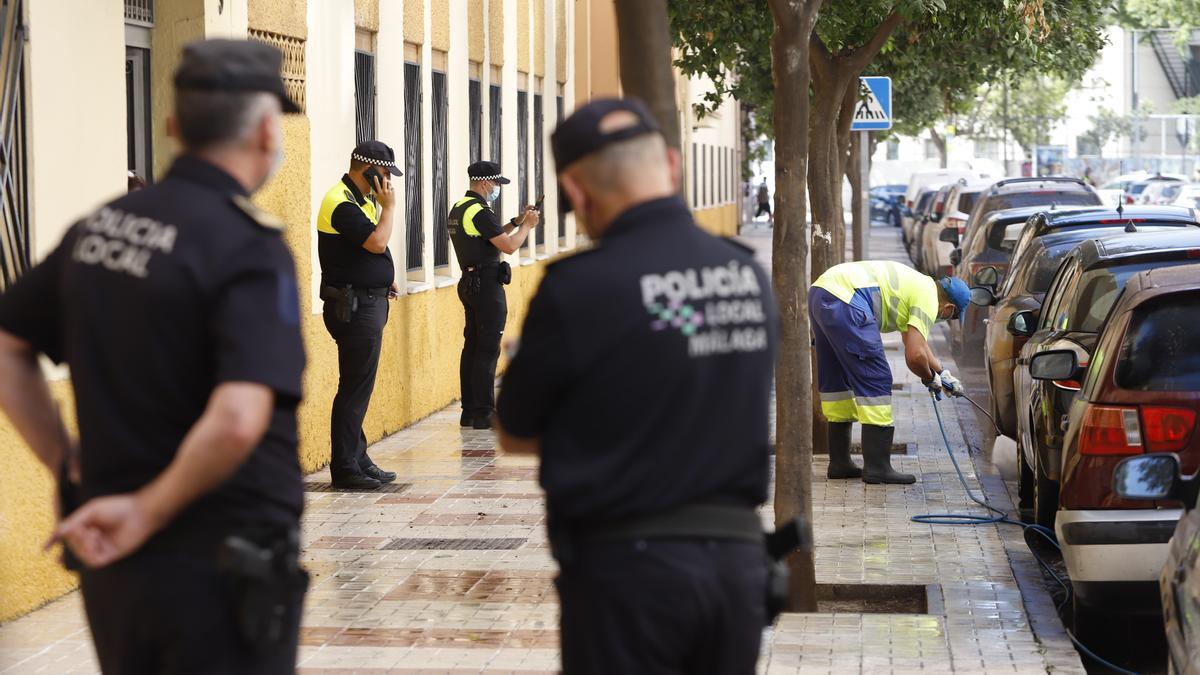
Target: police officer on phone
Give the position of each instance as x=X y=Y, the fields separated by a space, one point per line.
x=357 y=280
x=176 y=308
x=479 y=239
x=643 y=381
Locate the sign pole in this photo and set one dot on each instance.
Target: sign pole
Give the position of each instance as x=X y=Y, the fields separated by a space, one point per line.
x=861 y=245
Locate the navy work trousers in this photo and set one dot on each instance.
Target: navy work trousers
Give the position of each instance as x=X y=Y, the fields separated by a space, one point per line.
x=358 y=344
x=659 y=606
x=486 y=312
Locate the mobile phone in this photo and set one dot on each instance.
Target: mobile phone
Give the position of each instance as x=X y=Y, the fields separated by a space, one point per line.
x=372 y=174
x=540 y=200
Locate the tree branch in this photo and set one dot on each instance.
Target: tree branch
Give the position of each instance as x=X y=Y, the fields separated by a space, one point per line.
x=820 y=58
x=863 y=56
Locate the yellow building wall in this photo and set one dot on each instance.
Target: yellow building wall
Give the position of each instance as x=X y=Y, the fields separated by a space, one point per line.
x=496 y=28
x=440 y=25
x=366 y=14
x=475 y=25
x=539 y=37
x=719 y=220
x=414 y=21
x=523 y=36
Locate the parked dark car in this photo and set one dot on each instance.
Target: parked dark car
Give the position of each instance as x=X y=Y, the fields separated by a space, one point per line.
x=911 y=216
x=886 y=201
x=1085 y=288
x=931 y=217
x=1044 y=192
x=987 y=247
x=1024 y=289
x=1141 y=394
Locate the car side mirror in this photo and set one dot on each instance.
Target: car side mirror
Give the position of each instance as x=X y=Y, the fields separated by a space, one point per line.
x=1151 y=477
x=949 y=235
x=956 y=257
x=1022 y=324
x=988 y=276
x=982 y=296
x=1057 y=364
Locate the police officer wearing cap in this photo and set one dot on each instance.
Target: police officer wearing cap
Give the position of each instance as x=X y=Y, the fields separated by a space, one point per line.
x=176 y=308
x=643 y=381
x=479 y=239
x=354 y=225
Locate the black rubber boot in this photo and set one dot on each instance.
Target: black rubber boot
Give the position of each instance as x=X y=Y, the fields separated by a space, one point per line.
x=877 y=457
x=840 y=465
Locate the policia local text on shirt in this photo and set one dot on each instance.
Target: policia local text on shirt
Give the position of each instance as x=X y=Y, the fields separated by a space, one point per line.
x=176 y=309
x=357 y=279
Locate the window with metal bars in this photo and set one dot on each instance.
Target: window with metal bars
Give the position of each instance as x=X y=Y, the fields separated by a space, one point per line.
x=14 y=187
x=495 y=140
x=522 y=149
x=364 y=95
x=139 y=11
x=413 y=202
x=138 y=144
x=562 y=216
x=538 y=152
x=293 y=68
x=441 y=176
x=475 y=112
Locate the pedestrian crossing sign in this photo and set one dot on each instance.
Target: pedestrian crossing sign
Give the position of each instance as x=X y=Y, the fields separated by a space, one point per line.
x=873 y=111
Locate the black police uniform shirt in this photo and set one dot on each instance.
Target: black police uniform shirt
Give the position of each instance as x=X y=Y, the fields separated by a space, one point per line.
x=472 y=226
x=153 y=300
x=343 y=258
x=645 y=369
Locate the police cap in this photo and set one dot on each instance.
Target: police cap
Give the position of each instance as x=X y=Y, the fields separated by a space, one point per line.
x=377 y=153
x=233 y=66
x=486 y=170
x=590 y=128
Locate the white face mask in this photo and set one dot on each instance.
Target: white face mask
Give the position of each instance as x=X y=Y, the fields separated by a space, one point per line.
x=494 y=194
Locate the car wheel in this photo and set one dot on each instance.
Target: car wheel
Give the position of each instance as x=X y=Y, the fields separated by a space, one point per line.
x=1045 y=496
x=1025 y=488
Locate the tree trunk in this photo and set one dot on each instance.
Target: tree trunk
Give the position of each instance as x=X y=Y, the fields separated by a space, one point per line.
x=646 y=62
x=854 y=175
x=939 y=142
x=794 y=22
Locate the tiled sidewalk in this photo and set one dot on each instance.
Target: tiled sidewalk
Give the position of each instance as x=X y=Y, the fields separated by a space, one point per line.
x=449 y=572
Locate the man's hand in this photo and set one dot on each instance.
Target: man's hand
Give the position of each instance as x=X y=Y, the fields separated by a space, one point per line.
x=951 y=384
x=934 y=385
x=106 y=529
x=530 y=218
x=394 y=291
x=384 y=192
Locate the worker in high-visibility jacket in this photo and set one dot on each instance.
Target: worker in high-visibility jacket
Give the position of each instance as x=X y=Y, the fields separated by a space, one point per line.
x=850 y=306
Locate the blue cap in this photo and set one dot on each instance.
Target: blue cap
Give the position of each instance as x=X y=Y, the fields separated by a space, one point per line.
x=959 y=294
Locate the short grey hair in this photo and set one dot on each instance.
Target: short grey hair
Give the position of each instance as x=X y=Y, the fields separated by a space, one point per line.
x=208 y=119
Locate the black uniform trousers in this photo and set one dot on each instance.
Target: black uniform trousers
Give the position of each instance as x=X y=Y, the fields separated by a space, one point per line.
x=653 y=606
x=486 y=313
x=168 y=613
x=358 y=344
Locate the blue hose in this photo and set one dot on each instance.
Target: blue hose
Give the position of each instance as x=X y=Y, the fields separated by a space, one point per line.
x=1002 y=517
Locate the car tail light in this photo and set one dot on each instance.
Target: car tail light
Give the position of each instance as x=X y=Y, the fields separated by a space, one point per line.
x=1128 y=199
x=1113 y=221
x=1110 y=430
x=958 y=224
x=946 y=271
x=1167 y=429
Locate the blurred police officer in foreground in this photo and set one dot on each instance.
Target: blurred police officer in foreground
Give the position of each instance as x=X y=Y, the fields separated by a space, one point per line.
x=357 y=280
x=479 y=239
x=643 y=380
x=177 y=311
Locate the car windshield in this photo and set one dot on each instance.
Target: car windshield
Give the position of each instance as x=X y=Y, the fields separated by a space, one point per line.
x=1044 y=267
x=923 y=202
x=1137 y=188
x=966 y=201
x=1098 y=290
x=1161 y=351
x=1018 y=200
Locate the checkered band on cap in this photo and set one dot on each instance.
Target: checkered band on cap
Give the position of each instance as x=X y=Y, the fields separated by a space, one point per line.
x=371 y=160
x=492 y=177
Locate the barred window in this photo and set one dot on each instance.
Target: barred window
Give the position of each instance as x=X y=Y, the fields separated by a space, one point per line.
x=413 y=202
x=441 y=176
x=293 y=62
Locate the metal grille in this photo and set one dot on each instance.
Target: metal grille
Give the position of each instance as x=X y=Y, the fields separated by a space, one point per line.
x=562 y=216
x=441 y=187
x=538 y=151
x=364 y=95
x=14 y=194
x=475 y=104
x=522 y=149
x=413 y=202
x=494 y=137
x=140 y=11
x=293 y=61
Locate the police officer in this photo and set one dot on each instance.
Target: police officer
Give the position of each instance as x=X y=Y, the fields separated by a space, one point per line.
x=479 y=239
x=643 y=380
x=354 y=225
x=849 y=306
x=176 y=309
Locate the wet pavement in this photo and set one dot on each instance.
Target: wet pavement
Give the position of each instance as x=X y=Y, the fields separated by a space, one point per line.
x=448 y=571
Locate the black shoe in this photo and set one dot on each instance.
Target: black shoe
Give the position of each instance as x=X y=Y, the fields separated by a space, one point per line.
x=877 y=457
x=466 y=420
x=840 y=465
x=482 y=422
x=356 y=482
x=379 y=474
